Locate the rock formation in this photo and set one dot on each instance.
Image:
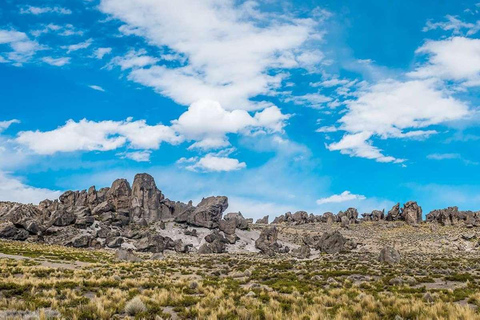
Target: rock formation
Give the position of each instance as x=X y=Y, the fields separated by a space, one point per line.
x=267 y=242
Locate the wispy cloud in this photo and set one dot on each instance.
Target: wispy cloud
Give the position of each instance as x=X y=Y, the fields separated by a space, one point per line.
x=97 y=88
x=342 y=197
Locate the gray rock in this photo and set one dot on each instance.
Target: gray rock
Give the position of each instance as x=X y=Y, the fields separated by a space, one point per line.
x=303 y=252
x=263 y=220
x=146 y=199
x=81 y=241
x=227 y=226
x=126 y=255
x=115 y=243
x=412 y=213
x=389 y=255
x=394 y=213
x=119 y=195
x=267 y=242
x=63 y=218
x=207 y=214
x=331 y=242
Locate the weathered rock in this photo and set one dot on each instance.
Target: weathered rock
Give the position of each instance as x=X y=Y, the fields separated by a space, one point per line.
x=9 y=231
x=216 y=246
x=389 y=255
x=331 y=242
x=192 y=233
x=231 y=238
x=328 y=217
x=303 y=252
x=146 y=199
x=267 y=242
x=344 y=222
x=412 y=213
x=263 y=220
x=378 y=215
x=103 y=207
x=394 y=213
x=240 y=222
x=63 y=218
x=119 y=195
x=115 y=243
x=126 y=255
x=81 y=241
x=227 y=226
x=207 y=214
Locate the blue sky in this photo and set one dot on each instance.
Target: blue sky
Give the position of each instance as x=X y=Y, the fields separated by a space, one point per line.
x=303 y=105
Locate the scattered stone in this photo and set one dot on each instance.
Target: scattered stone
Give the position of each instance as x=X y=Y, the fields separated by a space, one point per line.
x=389 y=255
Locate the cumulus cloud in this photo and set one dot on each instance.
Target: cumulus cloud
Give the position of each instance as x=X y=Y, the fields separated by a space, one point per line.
x=58 y=62
x=138 y=156
x=395 y=109
x=208 y=123
x=342 y=197
x=22 y=48
x=214 y=163
x=12 y=189
x=224 y=50
x=456 y=58
x=88 y=135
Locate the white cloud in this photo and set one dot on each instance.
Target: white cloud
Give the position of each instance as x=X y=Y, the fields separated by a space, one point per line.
x=327 y=129
x=212 y=162
x=22 y=48
x=342 y=197
x=78 y=46
x=58 y=62
x=65 y=31
x=393 y=109
x=43 y=10
x=229 y=48
x=102 y=136
x=313 y=100
x=138 y=156
x=101 y=52
x=443 y=156
x=208 y=123
x=12 y=189
x=456 y=58
x=453 y=24
x=97 y=88
x=134 y=59
x=4 y=125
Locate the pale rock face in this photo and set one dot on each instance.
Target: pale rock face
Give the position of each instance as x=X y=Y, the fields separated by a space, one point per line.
x=146 y=199
x=412 y=213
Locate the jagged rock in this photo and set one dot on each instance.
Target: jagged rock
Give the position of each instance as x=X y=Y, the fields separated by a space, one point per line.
x=146 y=199
x=344 y=222
x=303 y=252
x=192 y=233
x=81 y=241
x=279 y=219
x=227 y=226
x=115 y=243
x=207 y=214
x=331 y=242
x=263 y=220
x=152 y=243
x=215 y=244
x=328 y=217
x=102 y=208
x=63 y=218
x=378 y=215
x=126 y=255
x=9 y=231
x=412 y=213
x=389 y=255
x=119 y=195
x=231 y=238
x=451 y=216
x=394 y=213
x=300 y=217
x=181 y=247
x=240 y=222
x=267 y=242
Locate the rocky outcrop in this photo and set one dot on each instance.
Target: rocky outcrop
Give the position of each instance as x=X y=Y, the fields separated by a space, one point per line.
x=215 y=243
x=331 y=242
x=263 y=220
x=207 y=214
x=302 y=252
x=394 y=213
x=412 y=213
x=146 y=199
x=452 y=216
x=267 y=242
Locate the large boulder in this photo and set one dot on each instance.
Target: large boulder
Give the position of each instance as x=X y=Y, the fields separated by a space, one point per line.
x=449 y=216
x=328 y=217
x=267 y=242
x=240 y=222
x=331 y=242
x=81 y=241
x=227 y=226
x=207 y=214
x=412 y=213
x=302 y=252
x=394 y=213
x=378 y=215
x=146 y=199
x=63 y=218
x=9 y=231
x=300 y=217
x=119 y=195
x=389 y=255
